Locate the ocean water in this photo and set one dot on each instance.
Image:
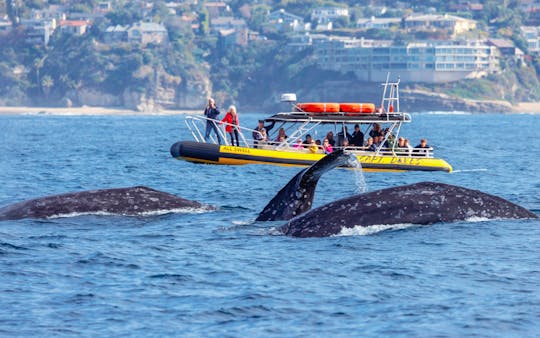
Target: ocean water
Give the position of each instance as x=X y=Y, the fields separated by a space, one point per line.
x=218 y=273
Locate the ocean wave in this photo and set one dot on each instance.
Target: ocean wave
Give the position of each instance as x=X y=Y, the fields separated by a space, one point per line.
x=468 y=170
x=445 y=113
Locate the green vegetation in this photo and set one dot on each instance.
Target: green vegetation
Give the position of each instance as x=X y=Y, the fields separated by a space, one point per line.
x=31 y=73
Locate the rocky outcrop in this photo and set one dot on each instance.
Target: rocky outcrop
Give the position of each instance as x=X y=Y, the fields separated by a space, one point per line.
x=189 y=95
x=193 y=93
x=410 y=100
x=420 y=101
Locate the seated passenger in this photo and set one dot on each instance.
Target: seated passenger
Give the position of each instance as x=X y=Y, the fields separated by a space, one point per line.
x=370 y=146
x=377 y=141
x=258 y=134
x=299 y=145
x=282 y=142
x=401 y=148
x=313 y=147
x=376 y=131
x=281 y=134
x=357 y=139
x=408 y=146
x=422 y=148
x=390 y=138
x=308 y=140
x=330 y=138
x=423 y=144
x=327 y=147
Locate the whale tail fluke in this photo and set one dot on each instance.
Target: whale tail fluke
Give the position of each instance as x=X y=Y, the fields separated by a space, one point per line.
x=296 y=197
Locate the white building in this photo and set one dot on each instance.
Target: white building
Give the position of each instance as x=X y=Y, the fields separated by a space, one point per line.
x=532 y=35
x=378 y=23
x=328 y=14
x=283 y=21
x=429 y=61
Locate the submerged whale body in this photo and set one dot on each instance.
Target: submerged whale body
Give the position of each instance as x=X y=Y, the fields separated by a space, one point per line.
x=296 y=197
x=133 y=201
x=419 y=203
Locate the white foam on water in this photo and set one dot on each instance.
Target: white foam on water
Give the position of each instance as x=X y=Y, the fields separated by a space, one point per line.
x=469 y=170
x=476 y=219
x=241 y=223
x=359 y=230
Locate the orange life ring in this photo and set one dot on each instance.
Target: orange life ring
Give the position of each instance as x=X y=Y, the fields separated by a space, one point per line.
x=357 y=108
x=318 y=107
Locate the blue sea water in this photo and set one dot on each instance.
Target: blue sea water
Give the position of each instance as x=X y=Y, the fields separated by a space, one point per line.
x=220 y=274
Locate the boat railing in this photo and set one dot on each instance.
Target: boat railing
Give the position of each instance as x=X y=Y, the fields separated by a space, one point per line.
x=383 y=151
x=197 y=127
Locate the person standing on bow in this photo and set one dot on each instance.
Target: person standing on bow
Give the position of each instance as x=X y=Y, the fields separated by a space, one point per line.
x=231 y=118
x=211 y=112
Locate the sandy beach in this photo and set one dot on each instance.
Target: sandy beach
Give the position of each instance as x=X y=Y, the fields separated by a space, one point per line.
x=88 y=111
x=527 y=107
x=523 y=107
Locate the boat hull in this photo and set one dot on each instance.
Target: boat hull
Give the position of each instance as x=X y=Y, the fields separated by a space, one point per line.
x=198 y=152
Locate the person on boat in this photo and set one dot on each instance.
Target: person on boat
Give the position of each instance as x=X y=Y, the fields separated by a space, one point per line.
x=327 y=147
x=299 y=145
x=377 y=141
x=408 y=147
x=308 y=140
x=370 y=145
x=422 y=148
x=376 y=131
x=390 y=138
x=231 y=118
x=343 y=135
x=357 y=139
x=211 y=112
x=330 y=138
x=401 y=148
x=282 y=142
x=281 y=135
x=259 y=134
x=313 y=147
x=345 y=145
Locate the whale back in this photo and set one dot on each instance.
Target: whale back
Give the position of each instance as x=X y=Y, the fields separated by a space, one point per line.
x=296 y=197
x=419 y=203
x=130 y=201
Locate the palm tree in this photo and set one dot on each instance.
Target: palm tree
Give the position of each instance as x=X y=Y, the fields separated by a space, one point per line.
x=38 y=64
x=47 y=83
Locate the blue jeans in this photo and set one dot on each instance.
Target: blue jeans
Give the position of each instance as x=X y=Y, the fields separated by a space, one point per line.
x=210 y=125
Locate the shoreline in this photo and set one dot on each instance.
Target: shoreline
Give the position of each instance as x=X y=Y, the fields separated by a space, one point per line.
x=89 y=111
x=520 y=108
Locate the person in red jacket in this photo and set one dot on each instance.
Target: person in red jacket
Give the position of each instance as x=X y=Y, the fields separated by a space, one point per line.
x=231 y=118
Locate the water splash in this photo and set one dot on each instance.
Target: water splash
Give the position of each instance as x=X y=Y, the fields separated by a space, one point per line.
x=374 y=229
x=360 y=181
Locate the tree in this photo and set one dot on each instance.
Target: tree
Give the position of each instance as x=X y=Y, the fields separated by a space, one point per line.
x=47 y=83
x=38 y=64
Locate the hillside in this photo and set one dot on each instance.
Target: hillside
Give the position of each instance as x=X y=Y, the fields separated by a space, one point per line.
x=187 y=58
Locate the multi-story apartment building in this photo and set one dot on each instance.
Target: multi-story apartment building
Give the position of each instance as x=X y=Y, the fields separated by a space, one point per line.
x=532 y=35
x=428 y=61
